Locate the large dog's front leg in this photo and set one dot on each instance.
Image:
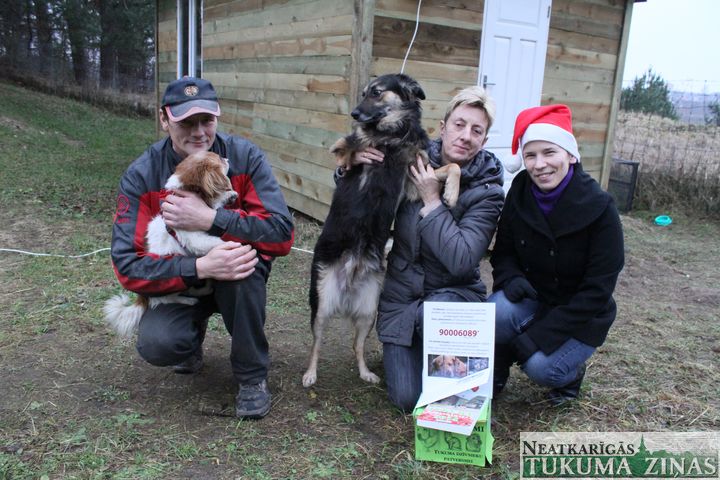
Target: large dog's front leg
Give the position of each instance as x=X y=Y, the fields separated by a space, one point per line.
x=362 y=329
x=450 y=174
x=310 y=376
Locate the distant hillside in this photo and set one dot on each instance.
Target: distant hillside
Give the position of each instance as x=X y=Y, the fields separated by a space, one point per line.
x=693 y=107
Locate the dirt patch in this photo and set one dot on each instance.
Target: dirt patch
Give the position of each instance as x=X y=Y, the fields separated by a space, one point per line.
x=12 y=123
x=73 y=393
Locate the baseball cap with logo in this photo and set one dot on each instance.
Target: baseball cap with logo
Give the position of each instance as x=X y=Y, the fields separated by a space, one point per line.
x=189 y=96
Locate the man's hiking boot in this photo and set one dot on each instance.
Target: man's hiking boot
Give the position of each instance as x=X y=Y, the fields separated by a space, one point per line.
x=193 y=364
x=253 y=401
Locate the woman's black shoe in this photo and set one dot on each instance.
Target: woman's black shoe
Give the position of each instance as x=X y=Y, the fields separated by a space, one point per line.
x=561 y=395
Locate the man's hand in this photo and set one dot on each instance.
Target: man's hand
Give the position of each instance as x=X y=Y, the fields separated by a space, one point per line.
x=427 y=184
x=229 y=261
x=187 y=211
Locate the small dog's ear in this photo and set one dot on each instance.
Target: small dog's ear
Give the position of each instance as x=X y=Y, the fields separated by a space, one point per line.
x=213 y=182
x=412 y=87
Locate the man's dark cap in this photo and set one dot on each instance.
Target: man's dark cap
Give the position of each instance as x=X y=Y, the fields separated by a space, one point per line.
x=189 y=96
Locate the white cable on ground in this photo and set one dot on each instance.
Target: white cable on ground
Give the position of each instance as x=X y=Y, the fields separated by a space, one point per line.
x=417 y=24
x=12 y=250
x=52 y=254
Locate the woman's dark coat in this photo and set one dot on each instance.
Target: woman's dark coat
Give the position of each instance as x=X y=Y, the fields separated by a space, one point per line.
x=442 y=251
x=572 y=258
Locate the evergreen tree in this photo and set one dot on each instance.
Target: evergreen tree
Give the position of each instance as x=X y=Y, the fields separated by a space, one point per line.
x=648 y=94
x=714 y=117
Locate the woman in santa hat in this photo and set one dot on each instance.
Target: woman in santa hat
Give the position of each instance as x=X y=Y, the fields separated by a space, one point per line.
x=557 y=256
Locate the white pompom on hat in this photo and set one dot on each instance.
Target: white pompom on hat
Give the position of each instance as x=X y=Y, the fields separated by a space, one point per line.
x=549 y=123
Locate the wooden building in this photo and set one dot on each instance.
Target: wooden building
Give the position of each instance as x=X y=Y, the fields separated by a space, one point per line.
x=288 y=72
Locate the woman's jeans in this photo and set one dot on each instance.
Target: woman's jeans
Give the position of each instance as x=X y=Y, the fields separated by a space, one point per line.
x=554 y=370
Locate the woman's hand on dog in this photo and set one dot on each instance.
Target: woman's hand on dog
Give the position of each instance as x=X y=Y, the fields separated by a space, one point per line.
x=427 y=184
x=229 y=261
x=369 y=155
x=187 y=211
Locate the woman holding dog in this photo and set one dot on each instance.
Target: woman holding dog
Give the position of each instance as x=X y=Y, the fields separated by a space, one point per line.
x=437 y=250
x=556 y=259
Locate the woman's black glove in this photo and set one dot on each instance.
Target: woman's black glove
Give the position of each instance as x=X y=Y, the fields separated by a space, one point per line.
x=518 y=288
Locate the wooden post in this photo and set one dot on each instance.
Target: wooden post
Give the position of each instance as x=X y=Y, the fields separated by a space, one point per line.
x=617 y=92
x=362 y=42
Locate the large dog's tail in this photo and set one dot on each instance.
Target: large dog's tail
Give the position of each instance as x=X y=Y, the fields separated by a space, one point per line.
x=123 y=315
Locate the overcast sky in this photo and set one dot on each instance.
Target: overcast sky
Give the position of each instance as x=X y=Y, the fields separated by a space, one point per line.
x=680 y=40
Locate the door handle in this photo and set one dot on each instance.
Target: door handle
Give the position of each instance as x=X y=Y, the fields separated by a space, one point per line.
x=485 y=82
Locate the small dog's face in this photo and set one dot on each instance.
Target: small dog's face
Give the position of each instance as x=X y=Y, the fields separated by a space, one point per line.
x=205 y=173
x=384 y=94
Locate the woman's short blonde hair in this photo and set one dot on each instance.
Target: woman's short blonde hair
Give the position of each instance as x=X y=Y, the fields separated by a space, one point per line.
x=474 y=96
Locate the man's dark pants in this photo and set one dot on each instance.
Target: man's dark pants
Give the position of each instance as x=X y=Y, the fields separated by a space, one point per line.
x=171 y=333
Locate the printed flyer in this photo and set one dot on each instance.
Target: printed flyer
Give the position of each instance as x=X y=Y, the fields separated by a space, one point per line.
x=458 y=348
x=456 y=413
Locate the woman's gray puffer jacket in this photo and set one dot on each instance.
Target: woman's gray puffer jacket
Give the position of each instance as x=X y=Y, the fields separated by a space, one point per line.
x=442 y=251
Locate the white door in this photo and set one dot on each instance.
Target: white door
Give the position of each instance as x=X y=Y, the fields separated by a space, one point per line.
x=512 y=65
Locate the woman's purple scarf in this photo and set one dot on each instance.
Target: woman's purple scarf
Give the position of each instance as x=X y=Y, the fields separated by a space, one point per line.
x=547 y=200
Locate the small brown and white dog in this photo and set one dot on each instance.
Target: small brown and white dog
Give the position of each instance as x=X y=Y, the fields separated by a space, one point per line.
x=204 y=173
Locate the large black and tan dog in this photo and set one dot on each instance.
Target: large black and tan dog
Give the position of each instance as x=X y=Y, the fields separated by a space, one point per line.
x=349 y=260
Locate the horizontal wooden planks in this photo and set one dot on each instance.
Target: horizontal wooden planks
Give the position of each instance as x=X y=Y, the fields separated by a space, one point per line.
x=418 y=69
x=456 y=14
x=289 y=13
x=582 y=57
x=335 y=45
x=308 y=206
x=282 y=69
x=282 y=75
x=433 y=43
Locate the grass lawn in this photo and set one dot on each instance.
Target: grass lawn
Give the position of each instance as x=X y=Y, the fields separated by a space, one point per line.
x=77 y=402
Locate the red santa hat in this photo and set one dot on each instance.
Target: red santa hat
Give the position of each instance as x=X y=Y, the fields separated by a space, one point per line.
x=550 y=123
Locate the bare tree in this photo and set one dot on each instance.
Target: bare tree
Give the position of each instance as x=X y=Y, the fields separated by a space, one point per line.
x=77 y=20
x=44 y=30
x=85 y=42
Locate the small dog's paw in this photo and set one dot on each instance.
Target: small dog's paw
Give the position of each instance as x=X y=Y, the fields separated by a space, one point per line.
x=309 y=379
x=342 y=153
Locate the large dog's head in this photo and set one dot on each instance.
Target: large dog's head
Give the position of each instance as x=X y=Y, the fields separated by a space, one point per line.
x=204 y=173
x=386 y=100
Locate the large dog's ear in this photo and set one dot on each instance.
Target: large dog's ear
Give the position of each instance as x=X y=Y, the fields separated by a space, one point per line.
x=411 y=87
